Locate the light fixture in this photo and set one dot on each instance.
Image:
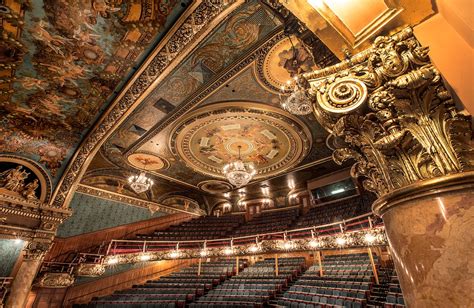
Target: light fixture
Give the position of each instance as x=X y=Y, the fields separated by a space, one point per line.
x=239 y=173
x=341 y=241
x=314 y=243
x=175 y=253
x=112 y=261
x=229 y=250
x=287 y=244
x=140 y=183
x=337 y=191
x=255 y=247
x=145 y=257
x=293 y=97
x=369 y=238
x=18 y=241
x=204 y=252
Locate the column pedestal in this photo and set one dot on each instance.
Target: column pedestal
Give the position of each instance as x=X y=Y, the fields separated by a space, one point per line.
x=21 y=285
x=429 y=226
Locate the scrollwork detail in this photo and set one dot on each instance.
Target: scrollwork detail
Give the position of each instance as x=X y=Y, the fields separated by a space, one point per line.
x=403 y=126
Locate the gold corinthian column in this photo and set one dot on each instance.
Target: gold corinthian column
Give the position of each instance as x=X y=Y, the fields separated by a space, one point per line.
x=388 y=109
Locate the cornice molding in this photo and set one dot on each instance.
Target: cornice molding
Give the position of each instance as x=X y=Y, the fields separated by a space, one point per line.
x=108 y=195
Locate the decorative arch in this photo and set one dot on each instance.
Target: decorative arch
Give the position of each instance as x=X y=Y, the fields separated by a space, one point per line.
x=35 y=170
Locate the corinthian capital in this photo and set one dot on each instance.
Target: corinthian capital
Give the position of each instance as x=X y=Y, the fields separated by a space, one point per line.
x=391 y=112
x=36 y=250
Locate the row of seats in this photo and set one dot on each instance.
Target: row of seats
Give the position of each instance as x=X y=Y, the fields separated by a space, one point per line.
x=268 y=222
x=336 y=211
x=175 y=290
x=258 y=285
x=394 y=297
x=345 y=282
x=226 y=226
x=255 y=286
x=202 y=228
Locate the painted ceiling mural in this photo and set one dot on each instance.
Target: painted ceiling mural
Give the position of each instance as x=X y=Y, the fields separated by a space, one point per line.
x=223 y=94
x=66 y=62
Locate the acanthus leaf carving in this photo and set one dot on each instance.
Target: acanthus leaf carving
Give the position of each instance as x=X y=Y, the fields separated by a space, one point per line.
x=397 y=119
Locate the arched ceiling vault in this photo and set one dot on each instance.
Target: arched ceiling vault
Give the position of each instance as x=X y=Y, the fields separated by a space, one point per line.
x=104 y=84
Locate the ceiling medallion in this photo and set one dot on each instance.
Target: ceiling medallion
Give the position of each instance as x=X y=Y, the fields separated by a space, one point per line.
x=273 y=140
x=239 y=173
x=215 y=186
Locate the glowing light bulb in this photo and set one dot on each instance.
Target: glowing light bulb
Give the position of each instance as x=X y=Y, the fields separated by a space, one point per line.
x=254 y=248
x=175 y=254
x=204 y=253
x=369 y=238
x=340 y=241
x=314 y=244
x=145 y=257
x=287 y=245
x=112 y=261
x=228 y=251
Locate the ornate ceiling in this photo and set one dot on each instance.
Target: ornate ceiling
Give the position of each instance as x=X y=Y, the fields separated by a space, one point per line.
x=70 y=59
x=208 y=83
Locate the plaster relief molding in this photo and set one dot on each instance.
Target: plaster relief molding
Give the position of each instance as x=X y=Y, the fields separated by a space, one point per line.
x=25 y=234
x=108 y=195
x=390 y=111
x=36 y=250
x=55 y=280
x=201 y=18
x=90 y=269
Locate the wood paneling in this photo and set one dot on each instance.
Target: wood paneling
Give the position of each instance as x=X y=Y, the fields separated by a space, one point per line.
x=84 y=292
x=84 y=242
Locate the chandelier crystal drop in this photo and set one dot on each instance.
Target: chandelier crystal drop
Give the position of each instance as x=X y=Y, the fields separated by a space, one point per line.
x=297 y=102
x=140 y=183
x=239 y=173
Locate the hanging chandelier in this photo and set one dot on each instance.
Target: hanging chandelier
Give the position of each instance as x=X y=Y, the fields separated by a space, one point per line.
x=294 y=99
x=239 y=173
x=140 y=183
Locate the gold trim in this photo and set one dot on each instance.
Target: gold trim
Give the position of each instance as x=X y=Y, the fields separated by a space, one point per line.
x=108 y=195
x=423 y=189
x=243 y=107
x=115 y=114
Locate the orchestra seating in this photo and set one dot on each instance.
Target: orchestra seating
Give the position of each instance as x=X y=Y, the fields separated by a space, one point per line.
x=268 y=222
x=203 y=228
x=346 y=281
x=333 y=212
x=394 y=296
x=174 y=290
x=255 y=286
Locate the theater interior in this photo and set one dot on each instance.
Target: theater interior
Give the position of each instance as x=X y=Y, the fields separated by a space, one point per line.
x=236 y=153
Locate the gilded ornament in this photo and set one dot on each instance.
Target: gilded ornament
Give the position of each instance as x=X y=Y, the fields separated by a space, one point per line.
x=389 y=107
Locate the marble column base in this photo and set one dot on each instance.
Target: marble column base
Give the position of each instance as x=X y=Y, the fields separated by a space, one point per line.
x=430 y=227
x=21 y=285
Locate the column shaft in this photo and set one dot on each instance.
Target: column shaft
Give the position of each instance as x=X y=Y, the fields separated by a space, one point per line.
x=21 y=285
x=431 y=240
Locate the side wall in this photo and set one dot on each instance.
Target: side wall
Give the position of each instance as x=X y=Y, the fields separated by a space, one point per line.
x=92 y=214
x=10 y=250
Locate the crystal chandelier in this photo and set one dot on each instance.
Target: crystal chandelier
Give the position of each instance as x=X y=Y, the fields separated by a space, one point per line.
x=297 y=102
x=239 y=173
x=140 y=183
